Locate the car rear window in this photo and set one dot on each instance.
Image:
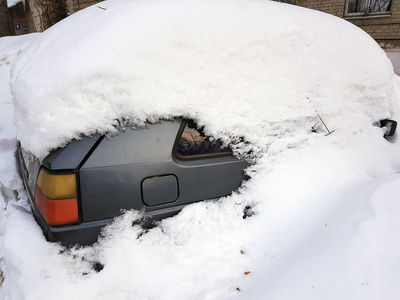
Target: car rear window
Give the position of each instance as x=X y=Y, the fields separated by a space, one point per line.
x=193 y=143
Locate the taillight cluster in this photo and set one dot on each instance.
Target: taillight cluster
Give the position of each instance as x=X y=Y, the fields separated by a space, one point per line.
x=56 y=197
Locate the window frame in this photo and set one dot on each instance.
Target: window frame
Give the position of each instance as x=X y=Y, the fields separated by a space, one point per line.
x=366 y=14
x=196 y=156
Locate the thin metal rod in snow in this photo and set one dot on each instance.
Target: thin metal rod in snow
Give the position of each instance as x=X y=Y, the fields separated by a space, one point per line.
x=329 y=132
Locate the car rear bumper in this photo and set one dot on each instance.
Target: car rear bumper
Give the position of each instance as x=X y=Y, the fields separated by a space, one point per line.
x=87 y=233
x=82 y=234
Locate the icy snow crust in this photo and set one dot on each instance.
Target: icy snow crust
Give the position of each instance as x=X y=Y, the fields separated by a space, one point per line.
x=325 y=223
x=251 y=69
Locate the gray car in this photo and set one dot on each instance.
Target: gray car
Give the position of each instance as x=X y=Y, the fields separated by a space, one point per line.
x=78 y=189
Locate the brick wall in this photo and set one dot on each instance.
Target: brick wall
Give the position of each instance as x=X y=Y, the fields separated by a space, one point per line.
x=384 y=29
x=333 y=7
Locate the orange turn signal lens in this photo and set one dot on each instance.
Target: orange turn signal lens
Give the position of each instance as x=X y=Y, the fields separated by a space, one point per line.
x=57 y=186
x=56 y=198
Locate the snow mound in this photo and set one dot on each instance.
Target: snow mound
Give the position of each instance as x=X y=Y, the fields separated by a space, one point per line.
x=252 y=69
x=10 y=47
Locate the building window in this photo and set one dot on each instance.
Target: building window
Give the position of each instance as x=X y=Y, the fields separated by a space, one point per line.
x=193 y=144
x=367 y=7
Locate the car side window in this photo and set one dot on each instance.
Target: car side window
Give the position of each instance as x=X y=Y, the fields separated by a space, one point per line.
x=193 y=143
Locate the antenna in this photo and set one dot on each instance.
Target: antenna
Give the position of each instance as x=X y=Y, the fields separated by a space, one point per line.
x=329 y=132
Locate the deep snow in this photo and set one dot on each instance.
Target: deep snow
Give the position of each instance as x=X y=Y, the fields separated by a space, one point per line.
x=326 y=207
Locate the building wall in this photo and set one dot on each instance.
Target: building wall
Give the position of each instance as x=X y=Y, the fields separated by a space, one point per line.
x=46 y=13
x=15 y=20
x=5 y=26
x=76 y=5
x=333 y=7
x=384 y=29
x=21 y=19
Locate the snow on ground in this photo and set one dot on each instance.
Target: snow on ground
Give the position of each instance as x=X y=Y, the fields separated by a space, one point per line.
x=325 y=208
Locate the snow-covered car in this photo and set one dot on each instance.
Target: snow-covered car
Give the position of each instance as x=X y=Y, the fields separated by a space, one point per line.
x=230 y=81
x=78 y=189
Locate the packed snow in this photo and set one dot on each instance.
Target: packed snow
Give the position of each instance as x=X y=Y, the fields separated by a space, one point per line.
x=256 y=74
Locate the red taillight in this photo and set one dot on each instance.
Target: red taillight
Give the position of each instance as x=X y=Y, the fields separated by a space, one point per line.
x=56 y=198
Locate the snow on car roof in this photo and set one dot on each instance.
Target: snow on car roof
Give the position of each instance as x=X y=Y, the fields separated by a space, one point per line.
x=252 y=69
